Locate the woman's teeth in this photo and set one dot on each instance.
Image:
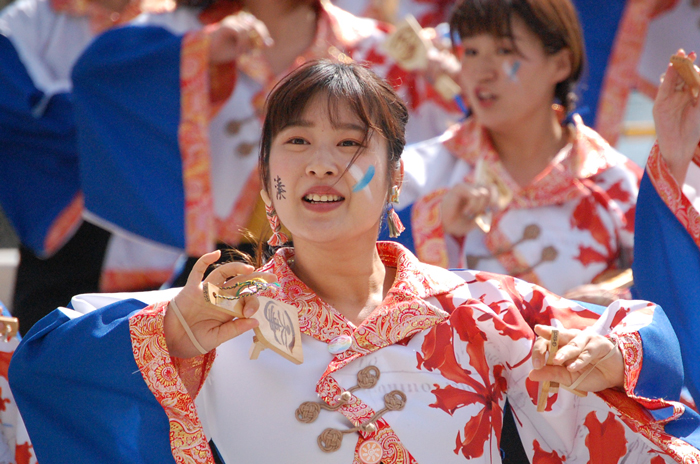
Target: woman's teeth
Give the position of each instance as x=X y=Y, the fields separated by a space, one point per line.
x=322 y=198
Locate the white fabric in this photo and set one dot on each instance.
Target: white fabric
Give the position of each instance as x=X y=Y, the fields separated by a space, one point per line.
x=48 y=43
x=88 y=302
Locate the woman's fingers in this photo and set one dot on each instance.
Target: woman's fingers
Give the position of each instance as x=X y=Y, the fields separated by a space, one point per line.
x=540 y=348
x=235 y=328
x=200 y=267
x=577 y=348
x=578 y=353
x=668 y=82
x=223 y=273
x=461 y=205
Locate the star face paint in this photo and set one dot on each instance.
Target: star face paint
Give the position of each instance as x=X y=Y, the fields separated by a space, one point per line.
x=511 y=70
x=363 y=180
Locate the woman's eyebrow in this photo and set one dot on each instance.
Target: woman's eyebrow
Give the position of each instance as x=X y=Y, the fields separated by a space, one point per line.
x=350 y=126
x=299 y=123
x=340 y=125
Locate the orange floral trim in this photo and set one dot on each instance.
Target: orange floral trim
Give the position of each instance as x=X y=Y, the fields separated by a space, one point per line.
x=632 y=351
x=71 y=7
x=187 y=439
x=672 y=194
x=193 y=137
x=428 y=234
x=223 y=78
x=621 y=74
x=119 y=280
x=64 y=225
x=102 y=18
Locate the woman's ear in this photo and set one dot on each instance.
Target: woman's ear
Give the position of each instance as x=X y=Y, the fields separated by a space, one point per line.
x=563 y=65
x=265 y=197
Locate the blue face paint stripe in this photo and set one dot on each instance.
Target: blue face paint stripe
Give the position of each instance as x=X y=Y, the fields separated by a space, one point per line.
x=366 y=179
x=514 y=70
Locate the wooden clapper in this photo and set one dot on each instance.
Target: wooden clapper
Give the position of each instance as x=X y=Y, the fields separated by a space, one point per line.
x=687 y=71
x=484 y=176
x=410 y=49
x=279 y=324
x=547 y=386
x=8 y=327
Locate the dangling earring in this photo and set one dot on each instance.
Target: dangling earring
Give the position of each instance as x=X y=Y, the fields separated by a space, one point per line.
x=278 y=237
x=392 y=219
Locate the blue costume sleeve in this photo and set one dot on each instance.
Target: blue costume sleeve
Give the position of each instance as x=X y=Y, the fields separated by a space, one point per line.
x=667 y=271
x=38 y=156
x=662 y=353
x=599 y=31
x=127 y=111
x=81 y=394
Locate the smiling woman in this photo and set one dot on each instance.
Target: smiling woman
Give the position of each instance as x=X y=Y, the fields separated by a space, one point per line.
x=334 y=128
x=523 y=187
x=403 y=362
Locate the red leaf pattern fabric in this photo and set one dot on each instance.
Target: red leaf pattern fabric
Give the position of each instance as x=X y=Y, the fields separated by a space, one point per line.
x=606 y=440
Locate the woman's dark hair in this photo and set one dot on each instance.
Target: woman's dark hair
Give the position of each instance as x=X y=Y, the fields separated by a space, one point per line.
x=555 y=22
x=368 y=96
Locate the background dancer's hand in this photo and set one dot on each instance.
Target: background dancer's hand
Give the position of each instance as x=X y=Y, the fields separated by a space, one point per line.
x=578 y=352
x=461 y=205
x=210 y=326
x=236 y=35
x=677 y=120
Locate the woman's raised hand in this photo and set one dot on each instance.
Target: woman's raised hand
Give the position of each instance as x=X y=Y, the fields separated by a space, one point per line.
x=210 y=326
x=579 y=351
x=677 y=120
x=236 y=35
x=461 y=205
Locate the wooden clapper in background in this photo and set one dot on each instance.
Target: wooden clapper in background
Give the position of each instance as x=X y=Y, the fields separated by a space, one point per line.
x=8 y=327
x=279 y=324
x=687 y=71
x=409 y=47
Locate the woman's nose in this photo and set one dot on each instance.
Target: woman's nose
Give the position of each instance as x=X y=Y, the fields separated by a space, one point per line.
x=322 y=163
x=484 y=68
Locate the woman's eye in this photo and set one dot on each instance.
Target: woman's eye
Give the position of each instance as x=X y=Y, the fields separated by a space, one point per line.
x=297 y=141
x=349 y=143
x=505 y=51
x=469 y=52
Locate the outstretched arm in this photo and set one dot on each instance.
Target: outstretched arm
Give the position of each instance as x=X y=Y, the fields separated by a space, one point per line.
x=677 y=120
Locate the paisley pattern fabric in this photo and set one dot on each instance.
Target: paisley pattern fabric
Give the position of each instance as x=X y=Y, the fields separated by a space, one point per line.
x=672 y=193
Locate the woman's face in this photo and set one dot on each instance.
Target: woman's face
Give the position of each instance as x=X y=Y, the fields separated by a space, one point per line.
x=315 y=198
x=507 y=81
